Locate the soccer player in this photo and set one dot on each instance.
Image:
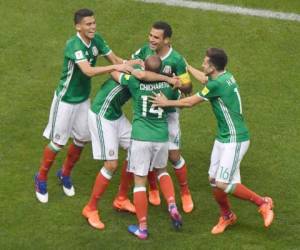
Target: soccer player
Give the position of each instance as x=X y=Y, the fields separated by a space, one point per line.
x=232 y=141
x=149 y=145
x=110 y=129
x=69 y=110
x=172 y=63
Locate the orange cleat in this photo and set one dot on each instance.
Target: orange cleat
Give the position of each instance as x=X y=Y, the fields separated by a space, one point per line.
x=123 y=205
x=154 y=198
x=223 y=224
x=187 y=202
x=266 y=211
x=93 y=217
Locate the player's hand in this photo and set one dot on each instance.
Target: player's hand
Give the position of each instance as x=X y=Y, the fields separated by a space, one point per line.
x=175 y=82
x=159 y=100
x=136 y=62
x=124 y=68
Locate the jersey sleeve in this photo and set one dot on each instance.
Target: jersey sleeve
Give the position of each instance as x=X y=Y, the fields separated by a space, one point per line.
x=102 y=45
x=211 y=90
x=181 y=71
x=139 y=54
x=74 y=51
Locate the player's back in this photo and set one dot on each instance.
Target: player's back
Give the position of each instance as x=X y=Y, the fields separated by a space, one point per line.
x=109 y=100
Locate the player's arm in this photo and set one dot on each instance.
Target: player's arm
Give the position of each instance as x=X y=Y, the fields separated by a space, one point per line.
x=160 y=100
x=114 y=59
x=90 y=71
x=199 y=75
x=149 y=76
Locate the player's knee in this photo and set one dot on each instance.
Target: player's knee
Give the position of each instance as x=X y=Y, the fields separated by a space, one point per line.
x=221 y=185
x=111 y=165
x=174 y=156
x=212 y=181
x=55 y=147
x=160 y=172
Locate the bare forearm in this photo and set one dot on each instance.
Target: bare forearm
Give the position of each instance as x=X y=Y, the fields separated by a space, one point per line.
x=199 y=75
x=93 y=71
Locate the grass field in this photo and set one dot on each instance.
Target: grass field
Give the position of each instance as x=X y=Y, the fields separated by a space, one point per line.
x=264 y=57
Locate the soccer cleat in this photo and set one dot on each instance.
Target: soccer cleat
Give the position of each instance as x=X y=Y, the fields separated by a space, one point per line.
x=154 y=198
x=175 y=217
x=93 y=217
x=66 y=182
x=41 y=190
x=123 y=205
x=135 y=230
x=266 y=211
x=224 y=223
x=187 y=202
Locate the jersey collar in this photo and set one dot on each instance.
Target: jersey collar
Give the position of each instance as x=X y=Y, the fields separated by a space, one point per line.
x=169 y=53
x=86 y=45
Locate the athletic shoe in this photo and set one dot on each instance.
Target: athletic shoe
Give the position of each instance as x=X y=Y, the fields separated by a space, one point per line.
x=175 y=217
x=123 y=205
x=135 y=230
x=224 y=223
x=93 y=217
x=154 y=198
x=266 y=211
x=187 y=202
x=66 y=182
x=40 y=189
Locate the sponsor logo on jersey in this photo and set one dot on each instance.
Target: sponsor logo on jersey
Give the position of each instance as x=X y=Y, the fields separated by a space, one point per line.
x=167 y=70
x=95 y=51
x=205 y=91
x=79 y=55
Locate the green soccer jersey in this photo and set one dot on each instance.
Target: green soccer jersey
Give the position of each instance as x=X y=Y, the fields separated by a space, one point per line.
x=225 y=99
x=172 y=63
x=74 y=86
x=109 y=100
x=149 y=122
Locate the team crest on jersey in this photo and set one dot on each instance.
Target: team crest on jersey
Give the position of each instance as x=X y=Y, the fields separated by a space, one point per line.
x=79 y=55
x=167 y=70
x=95 y=51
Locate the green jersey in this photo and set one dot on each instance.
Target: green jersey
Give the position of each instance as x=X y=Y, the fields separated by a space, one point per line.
x=225 y=99
x=74 y=86
x=109 y=100
x=149 y=122
x=172 y=63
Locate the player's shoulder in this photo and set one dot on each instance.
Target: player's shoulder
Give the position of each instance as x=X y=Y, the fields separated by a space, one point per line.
x=176 y=55
x=74 y=43
x=98 y=37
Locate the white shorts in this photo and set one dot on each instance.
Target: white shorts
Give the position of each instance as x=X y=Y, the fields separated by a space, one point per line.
x=67 y=120
x=174 y=131
x=144 y=156
x=108 y=135
x=225 y=161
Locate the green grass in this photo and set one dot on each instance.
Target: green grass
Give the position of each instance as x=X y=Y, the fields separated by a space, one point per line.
x=264 y=57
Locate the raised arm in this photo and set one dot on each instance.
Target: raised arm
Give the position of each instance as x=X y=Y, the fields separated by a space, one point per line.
x=199 y=75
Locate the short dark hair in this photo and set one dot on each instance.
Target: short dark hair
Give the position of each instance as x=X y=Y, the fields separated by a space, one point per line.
x=80 y=14
x=153 y=63
x=160 y=25
x=217 y=57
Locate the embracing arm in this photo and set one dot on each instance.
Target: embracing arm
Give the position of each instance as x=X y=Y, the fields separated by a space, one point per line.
x=160 y=100
x=199 y=75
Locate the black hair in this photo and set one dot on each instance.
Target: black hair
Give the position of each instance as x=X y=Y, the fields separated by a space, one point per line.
x=80 y=14
x=217 y=57
x=160 y=25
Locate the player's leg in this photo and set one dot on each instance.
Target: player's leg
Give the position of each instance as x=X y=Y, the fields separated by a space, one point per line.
x=159 y=162
x=105 y=147
x=227 y=217
x=140 y=167
x=57 y=131
x=81 y=135
x=122 y=202
x=230 y=162
x=90 y=211
x=178 y=162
